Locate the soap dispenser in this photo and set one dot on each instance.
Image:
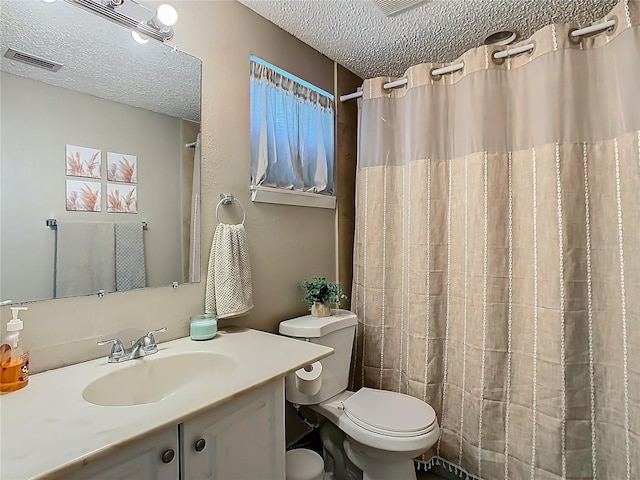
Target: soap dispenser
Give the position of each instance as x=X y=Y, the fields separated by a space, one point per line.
x=14 y=359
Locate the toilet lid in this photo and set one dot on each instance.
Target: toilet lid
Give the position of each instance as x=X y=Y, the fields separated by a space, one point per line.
x=390 y=413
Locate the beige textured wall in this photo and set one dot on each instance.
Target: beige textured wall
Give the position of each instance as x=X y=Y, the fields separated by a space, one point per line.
x=286 y=243
x=346 y=164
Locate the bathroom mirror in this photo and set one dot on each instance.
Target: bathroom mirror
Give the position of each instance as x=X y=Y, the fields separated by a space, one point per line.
x=101 y=140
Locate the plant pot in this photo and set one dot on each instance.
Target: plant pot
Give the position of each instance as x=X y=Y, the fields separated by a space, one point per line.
x=321 y=310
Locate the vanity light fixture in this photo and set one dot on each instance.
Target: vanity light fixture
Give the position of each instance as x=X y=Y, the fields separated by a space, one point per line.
x=166 y=16
x=157 y=25
x=139 y=37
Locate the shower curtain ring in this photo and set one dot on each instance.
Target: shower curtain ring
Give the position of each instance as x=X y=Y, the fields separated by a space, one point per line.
x=435 y=78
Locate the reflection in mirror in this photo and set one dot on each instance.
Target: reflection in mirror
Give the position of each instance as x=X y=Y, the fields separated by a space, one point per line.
x=98 y=145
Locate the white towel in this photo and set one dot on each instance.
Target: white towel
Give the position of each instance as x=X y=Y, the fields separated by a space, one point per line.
x=85 y=258
x=130 y=266
x=228 y=292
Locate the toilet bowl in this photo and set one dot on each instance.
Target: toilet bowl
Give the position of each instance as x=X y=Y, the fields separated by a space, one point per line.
x=383 y=431
x=375 y=432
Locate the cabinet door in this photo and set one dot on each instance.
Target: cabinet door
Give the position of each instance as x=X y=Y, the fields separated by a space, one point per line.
x=240 y=440
x=146 y=459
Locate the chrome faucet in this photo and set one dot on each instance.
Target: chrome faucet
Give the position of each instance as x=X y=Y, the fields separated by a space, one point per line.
x=145 y=345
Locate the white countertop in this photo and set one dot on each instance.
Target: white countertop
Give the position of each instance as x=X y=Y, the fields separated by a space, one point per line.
x=47 y=428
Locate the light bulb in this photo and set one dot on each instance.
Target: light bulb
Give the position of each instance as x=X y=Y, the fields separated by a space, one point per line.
x=139 y=37
x=167 y=15
x=48 y=1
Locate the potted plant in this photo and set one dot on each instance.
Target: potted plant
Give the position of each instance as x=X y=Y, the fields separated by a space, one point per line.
x=320 y=295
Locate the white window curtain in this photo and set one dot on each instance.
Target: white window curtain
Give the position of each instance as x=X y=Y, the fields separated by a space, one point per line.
x=291 y=134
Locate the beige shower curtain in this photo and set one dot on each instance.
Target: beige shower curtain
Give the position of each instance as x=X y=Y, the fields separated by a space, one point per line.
x=497 y=255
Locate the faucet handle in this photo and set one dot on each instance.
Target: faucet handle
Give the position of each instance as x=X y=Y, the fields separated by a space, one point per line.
x=117 y=350
x=151 y=342
x=159 y=330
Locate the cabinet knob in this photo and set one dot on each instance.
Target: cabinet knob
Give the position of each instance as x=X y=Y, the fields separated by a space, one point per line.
x=200 y=444
x=168 y=456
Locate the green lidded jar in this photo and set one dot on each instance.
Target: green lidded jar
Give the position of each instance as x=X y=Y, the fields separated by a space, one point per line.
x=203 y=327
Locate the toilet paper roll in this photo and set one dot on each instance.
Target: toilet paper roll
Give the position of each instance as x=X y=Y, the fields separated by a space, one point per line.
x=309 y=379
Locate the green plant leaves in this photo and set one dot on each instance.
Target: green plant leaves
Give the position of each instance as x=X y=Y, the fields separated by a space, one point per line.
x=318 y=290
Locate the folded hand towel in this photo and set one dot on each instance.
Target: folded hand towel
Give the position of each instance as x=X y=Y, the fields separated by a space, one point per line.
x=130 y=266
x=228 y=290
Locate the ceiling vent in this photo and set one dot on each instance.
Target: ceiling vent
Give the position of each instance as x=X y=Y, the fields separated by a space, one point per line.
x=32 y=60
x=394 y=7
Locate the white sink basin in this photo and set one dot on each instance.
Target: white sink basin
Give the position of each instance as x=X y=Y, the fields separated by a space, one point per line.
x=149 y=380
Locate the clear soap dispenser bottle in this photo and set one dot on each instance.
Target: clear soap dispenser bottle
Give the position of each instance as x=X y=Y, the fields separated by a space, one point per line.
x=14 y=359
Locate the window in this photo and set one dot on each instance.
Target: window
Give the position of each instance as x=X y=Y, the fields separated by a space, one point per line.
x=292 y=141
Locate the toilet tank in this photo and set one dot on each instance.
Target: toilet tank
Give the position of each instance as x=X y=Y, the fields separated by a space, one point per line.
x=337 y=332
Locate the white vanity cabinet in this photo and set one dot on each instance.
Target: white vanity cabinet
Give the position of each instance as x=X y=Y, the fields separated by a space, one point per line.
x=218 y=410
x=240 y=440
x=155 y=457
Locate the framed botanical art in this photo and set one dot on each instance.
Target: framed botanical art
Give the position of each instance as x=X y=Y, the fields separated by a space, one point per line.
x=122 y=198
x=84 y=196
x=83 y=162
x=122 y=168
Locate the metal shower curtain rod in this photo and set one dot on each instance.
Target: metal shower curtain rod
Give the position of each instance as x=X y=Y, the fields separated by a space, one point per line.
x=574 y=35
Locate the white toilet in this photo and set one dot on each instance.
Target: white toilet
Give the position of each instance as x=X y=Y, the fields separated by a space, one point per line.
x=379 y=432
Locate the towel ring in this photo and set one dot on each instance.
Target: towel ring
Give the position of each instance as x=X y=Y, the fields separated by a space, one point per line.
x=228 y=199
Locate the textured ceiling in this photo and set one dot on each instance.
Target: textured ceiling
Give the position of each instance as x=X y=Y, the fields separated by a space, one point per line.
x=360 y=37
x=100 y=58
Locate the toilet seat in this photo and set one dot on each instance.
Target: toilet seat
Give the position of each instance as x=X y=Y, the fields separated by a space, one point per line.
x=409 y=445
x=390 y=413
